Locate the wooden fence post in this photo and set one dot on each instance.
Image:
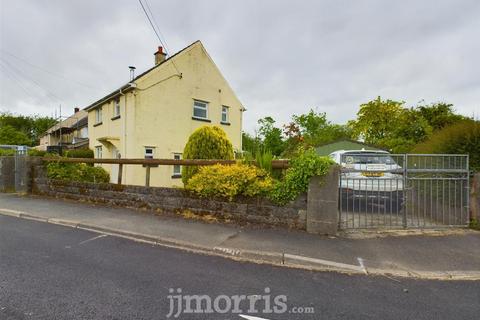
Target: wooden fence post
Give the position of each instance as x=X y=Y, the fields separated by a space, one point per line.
x=147 y=176
x=120 y=173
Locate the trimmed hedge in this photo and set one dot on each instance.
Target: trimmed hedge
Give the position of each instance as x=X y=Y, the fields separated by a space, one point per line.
x=207 y=142
x=229 y=181
x=79 y=172
x=79 y=153
x=462 y=137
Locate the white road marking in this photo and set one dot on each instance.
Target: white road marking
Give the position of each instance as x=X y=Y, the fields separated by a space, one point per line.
x=91 y=239
x=327 y=263
x=362 y=265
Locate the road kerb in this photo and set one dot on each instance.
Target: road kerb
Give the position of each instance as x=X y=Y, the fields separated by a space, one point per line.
x=32 y=217
x=11 y=213
x=62 y=222
x=274 y=258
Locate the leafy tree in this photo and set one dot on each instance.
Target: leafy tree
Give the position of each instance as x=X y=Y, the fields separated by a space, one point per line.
x=439 y=115
x=271 y=136
x=31 y=126
x=250 y=143
x=376 y=119
x=40 y=126
x=10 y=135
x=461 y=137
x=388 y=124
x=410 y=129
x=207 y=142
x=313 y=129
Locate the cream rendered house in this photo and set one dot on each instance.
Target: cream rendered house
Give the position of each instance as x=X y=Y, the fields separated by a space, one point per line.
x=153 y=115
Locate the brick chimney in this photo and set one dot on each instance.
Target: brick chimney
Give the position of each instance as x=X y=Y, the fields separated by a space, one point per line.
x=160 y=56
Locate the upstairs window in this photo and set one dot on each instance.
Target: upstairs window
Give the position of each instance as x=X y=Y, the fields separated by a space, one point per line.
x=224 y=114
x=177 y=169
x=149 y=151
x=116 y=107
x=98 y=115
x=200 y=109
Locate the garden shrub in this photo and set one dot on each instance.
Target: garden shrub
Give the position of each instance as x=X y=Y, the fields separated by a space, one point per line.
x=7 y=152
x=79 y=153
x=36 y=153
x=78 y=172
x=302 y=168
x=462 y=137
x=229 y=181
x=207 y=142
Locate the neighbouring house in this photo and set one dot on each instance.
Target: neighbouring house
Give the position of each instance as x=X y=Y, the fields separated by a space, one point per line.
x=153 y=115
x=69 y=133
x=343 y=144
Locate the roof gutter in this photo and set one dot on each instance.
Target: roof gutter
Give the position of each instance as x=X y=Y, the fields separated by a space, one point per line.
x=129 y=86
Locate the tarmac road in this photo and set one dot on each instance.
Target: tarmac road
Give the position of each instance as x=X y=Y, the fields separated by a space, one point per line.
x=54 y=272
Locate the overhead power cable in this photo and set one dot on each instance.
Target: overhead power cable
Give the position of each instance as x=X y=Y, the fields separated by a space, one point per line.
x=19 y=72
x=151 y=24
x=13 y=77
x=156 y=29
x=45 y=70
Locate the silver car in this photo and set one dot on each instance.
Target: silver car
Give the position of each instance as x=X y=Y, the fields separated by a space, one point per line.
x=369 y=179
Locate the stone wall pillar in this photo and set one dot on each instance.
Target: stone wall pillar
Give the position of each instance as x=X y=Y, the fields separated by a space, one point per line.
x=7 y=174
x=322 y=203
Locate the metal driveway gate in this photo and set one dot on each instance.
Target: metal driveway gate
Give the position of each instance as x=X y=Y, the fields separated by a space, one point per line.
x=380 y=190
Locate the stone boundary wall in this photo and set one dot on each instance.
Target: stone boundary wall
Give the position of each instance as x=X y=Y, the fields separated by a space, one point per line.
x=7 y=174
x=171 y=200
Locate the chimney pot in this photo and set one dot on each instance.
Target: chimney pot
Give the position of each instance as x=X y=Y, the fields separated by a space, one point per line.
x=76 y=109
x=160 y=55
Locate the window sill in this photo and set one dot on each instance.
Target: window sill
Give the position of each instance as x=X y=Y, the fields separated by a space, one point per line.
x=177 y=176
x=225 y=123
x=97 y=124
x=201 y=119
x=115 y=118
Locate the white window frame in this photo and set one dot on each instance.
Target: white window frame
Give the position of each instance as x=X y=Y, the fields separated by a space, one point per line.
x=225 y=111
x=196 y=105
x=83 y=132
x=99 y=152
x=177 y=169
x=98 y=115
x=116 y=107
x=149 y=155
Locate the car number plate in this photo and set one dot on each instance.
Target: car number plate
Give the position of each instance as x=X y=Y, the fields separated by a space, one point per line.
x=372 y=174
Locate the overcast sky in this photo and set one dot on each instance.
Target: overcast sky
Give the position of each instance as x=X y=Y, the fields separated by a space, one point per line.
x=280 y=57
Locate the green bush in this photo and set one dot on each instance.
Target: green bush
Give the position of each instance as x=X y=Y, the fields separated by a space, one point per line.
x=459 y=138
x=78 y=172
x=229 y=181
x=207 y=142
x=79 y=153
x=7 y=152
x=297 y=177
x=36 y=153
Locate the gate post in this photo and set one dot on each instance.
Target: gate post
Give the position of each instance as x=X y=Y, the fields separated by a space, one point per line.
x=405 y=192
x=475 y=198
x=322 y=203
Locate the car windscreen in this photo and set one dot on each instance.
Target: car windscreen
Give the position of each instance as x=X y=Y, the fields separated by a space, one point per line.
x=367 y=158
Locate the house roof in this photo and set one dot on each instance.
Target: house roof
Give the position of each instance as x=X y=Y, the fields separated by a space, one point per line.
x=76 y=120
x=127 y=86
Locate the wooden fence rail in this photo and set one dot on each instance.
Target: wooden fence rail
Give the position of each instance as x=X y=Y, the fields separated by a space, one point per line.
x=147 y=163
